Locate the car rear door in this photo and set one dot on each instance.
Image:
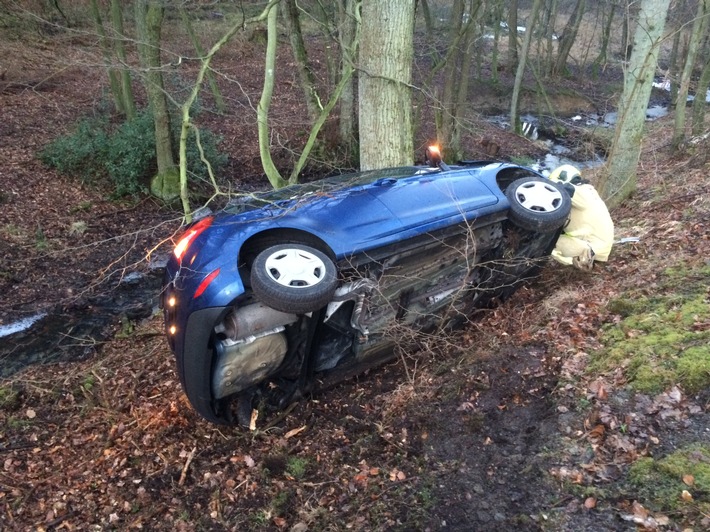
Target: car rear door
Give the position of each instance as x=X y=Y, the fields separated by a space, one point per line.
x=435 y=199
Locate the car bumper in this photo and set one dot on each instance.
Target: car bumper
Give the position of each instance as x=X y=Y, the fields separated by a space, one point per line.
x=189 y=339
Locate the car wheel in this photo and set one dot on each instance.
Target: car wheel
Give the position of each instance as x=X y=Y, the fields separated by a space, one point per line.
x=293 y=278
x=538 y=204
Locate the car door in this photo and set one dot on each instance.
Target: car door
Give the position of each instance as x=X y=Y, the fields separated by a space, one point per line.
x=435 y=199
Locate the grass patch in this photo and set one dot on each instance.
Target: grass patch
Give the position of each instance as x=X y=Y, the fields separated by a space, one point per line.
x=660 y=483
x=9 y=398
x=296 y=467
x=663 y=339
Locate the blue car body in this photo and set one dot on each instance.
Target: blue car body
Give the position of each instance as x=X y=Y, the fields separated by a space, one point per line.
x=373 y=226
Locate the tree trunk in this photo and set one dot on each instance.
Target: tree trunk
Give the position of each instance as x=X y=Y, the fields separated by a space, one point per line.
x=548 y=25
x=214 y=89
x=348 y=29
x=513 y=35
x=619 y=178
x=497 y=16
x=700 y=102
x=426 y=12
x=456 y=78
x=569 y=36
x=149 y=18
x=113 y=78
x=305 y=74
x=696 y=35
x=456 y=151
x=262 y=110
x=446 y=111
x=129 y=103
x=514 y=118
x=386 y=52
x=671 y=73
x=600 y=62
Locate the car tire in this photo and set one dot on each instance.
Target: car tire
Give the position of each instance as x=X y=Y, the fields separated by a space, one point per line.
x=538 y=204
x=293 y=278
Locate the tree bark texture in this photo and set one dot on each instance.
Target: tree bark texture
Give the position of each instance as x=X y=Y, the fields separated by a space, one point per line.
x=697 y=33
x=513 y=35
x=305 y=74
x=619 y=178
x=149 y=18
x=129 y=103
x=517 y=85
x=569 y=36
x=385 y=105
x=214 y=89
x=113 y=77
x=349 y=14
x=262 y=110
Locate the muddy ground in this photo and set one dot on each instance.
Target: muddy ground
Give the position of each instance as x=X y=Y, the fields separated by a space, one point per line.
x=500 y=426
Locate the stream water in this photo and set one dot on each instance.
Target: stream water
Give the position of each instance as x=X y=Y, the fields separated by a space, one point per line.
x=74 y=331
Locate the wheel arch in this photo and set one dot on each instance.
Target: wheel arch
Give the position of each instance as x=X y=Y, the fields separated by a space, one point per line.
x=507 y=175
x=281 y=235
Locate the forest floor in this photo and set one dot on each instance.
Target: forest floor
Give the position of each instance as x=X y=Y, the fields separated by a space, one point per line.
x=513 y=422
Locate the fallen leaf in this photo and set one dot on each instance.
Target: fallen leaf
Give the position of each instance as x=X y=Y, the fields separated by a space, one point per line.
x=293 y=432
x=639 y=510
x=396 y=474
x=252 y=422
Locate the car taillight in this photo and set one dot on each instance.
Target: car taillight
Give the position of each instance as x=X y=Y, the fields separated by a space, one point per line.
x=190 y=235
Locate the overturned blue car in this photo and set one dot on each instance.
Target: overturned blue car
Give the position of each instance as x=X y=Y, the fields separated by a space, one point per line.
x=292 y=290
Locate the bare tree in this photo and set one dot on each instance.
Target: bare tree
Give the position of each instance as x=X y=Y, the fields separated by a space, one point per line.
x=292 y=21
x=113 y=75
x=697 y=33
x=700 y=101
x=149 y=19
x=569 y=36
x=129 y=102
x=385 y=75
x=457 y=65
x=214 y=89
x=513 y=35
x=619 y=178
x=348 y=28
x=514 y=115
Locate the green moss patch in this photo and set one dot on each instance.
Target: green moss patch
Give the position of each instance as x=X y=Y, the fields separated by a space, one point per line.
x=662 y=339
x=661 y=483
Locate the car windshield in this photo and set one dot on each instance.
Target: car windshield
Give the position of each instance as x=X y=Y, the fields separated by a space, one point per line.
x=262 y=199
